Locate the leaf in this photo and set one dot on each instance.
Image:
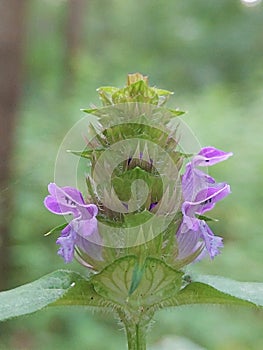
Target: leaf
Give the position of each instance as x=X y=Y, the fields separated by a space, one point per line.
x=105 y=94
x=57 y=288
x=89 y=111
x=116 y=281
x=217 y=290
x=56 y=229
x=249 y=291
x=88 y=153
x=160 y=281
x=136 y=278
x=176 y=112
x=113 y=283
x=206 y=218
x=82 y=293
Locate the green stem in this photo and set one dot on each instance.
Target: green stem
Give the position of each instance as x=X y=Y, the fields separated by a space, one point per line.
x=136 y=336
x=136 y=330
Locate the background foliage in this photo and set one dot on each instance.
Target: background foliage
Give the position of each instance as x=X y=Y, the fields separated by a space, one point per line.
x=210 y=54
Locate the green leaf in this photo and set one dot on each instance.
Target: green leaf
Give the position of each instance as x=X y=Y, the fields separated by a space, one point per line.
x=136 y=278
x=176 y=112
x=82 y=293
x=217 y=290
x=89 y=111
x=116 y=281
x=89 y=153
x=105 y=94
x=56 y=229
x=249 y=291
x=57 y=288
x=206 y=218
x=113 y=283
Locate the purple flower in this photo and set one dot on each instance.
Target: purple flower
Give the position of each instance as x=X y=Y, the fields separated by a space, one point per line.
x=193 y=232
x=195 y=180
x=206 y=199
x=210 y=156
x=189 y=241
x=201 y=193
x=82 y=231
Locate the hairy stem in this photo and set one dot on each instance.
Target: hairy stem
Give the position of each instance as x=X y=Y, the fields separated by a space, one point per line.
x=136 y=330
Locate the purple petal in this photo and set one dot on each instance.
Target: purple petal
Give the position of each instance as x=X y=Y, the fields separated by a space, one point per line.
x=206 y=199
x=152 y=205
x=189 y=219
x=56 y=208
x=84 y=228
x=210 y=156
x=193 y=181
x=61 y=203
x=88 y=238
x=212 y=242
x=91 y=245
x=66 y=231
x=67 y=242
x=75 y=201
x=71 y=193
x=92 y=209
x=188 y=242
x=68 y=200
x=201 y=193
x=88 y=211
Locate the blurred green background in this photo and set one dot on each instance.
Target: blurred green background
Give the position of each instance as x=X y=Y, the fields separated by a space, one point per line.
x=210 y=53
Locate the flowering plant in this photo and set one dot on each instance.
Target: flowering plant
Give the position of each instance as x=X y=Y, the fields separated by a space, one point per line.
x=139 y=220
